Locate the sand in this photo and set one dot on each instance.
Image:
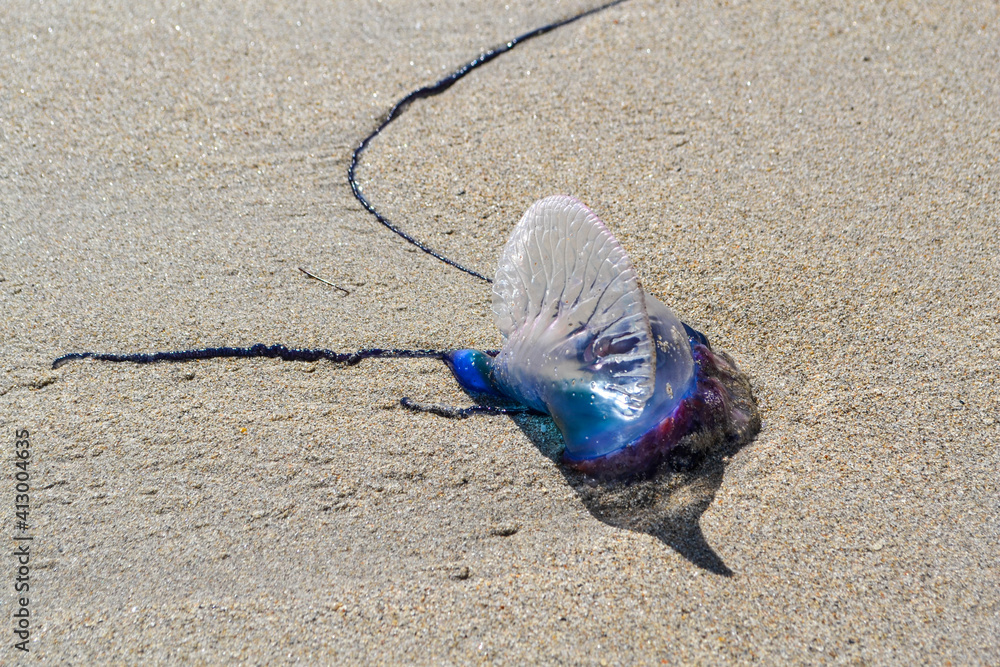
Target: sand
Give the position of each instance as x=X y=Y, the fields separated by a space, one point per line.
x=814 y=188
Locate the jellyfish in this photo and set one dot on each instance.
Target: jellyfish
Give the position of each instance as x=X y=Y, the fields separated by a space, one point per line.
x=625 y=381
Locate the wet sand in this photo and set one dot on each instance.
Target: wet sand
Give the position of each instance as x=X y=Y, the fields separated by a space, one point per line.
x=814 y=189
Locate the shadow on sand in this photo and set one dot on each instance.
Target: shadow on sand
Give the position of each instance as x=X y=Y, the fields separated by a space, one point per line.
x=667 y=504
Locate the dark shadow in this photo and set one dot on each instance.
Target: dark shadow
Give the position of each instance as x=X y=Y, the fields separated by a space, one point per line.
x=666 y=504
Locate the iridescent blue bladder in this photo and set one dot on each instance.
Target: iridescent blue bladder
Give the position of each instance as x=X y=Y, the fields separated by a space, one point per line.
x=625 y=381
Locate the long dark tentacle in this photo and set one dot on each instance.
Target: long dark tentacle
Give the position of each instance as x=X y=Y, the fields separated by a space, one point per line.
x=461 y=413
x=296 y=354
x=258 y=350
x=436 y=89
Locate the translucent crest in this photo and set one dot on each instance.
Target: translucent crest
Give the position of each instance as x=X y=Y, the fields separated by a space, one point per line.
x=572 y=316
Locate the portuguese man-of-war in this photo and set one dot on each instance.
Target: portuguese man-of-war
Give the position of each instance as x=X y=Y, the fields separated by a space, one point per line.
x=625 y=381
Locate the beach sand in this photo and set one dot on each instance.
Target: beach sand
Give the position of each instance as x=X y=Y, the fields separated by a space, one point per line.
x=816 y=189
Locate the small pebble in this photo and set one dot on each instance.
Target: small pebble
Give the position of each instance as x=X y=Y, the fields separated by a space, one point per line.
x=43 y=381
x=505 y=529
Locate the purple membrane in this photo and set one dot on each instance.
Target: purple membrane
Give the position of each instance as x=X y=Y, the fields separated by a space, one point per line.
x=719 y=410
x=625 y=381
